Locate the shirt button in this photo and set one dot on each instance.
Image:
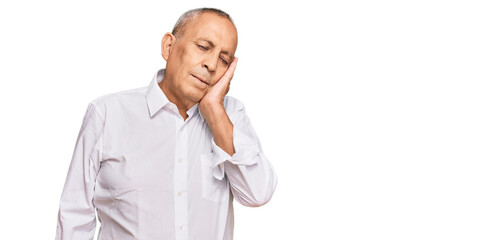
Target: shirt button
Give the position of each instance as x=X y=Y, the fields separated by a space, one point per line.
x=180 y=226
x=179 y=193
x=170 y=106
x=180 y=160
x=181 y=129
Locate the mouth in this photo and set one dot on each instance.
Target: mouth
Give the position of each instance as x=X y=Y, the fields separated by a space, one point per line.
x=200 y=79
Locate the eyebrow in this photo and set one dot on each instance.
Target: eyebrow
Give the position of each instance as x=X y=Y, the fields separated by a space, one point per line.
x=213 y=45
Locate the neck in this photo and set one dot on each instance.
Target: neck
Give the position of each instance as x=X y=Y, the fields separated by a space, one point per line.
x=181 y=103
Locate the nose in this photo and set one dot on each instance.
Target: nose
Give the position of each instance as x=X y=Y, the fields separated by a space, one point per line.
x=210 y=62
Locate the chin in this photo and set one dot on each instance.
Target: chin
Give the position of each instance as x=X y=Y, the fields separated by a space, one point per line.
x=194 y=95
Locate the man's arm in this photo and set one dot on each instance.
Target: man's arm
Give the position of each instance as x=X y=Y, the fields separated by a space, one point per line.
x=251 y=176
x=76 y=217
x=236 y=147
x=222 y=128
x=213 y=110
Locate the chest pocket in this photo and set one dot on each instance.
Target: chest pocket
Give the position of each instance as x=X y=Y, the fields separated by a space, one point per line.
x=212 y=189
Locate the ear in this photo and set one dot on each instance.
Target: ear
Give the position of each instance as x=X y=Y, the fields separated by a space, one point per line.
x=167 y=41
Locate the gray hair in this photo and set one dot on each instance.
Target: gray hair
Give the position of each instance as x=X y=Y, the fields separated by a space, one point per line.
x=178 y=29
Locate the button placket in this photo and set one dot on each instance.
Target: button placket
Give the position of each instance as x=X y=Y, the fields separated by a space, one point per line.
x=180 y=182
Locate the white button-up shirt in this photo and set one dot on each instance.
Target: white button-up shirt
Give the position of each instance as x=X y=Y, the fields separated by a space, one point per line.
x=151 y=175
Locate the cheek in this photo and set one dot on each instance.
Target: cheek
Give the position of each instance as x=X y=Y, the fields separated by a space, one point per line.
x=189 y=57
x=179 y=66
x=220 y=72
x=180 y=57
x=182 y=54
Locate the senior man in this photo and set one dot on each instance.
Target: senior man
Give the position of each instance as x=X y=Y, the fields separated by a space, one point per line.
x=167 y=160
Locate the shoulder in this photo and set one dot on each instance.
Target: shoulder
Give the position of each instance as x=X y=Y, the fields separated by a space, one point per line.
x=118 y=99
x=120 y=95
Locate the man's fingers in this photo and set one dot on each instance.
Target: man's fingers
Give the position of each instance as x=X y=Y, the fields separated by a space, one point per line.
x=223 y=84
x=228 y=88
x=230 y=71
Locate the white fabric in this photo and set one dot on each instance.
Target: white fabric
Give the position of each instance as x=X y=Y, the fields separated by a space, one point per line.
x=151 y=175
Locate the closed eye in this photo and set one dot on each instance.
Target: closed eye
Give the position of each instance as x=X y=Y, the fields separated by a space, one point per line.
x=203 y=47
x=225 y=61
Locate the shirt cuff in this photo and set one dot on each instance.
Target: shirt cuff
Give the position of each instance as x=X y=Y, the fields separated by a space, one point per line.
x=246 y=153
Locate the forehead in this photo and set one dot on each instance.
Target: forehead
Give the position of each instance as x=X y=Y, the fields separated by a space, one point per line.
x=219 y=30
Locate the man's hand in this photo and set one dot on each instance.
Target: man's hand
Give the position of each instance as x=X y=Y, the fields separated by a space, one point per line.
x=212 y=108
x=213 y=100
x=217 y=93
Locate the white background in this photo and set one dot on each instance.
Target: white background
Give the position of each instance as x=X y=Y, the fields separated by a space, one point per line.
x=383 y=119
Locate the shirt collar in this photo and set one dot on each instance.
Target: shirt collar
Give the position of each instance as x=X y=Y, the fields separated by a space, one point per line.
x=156 y=99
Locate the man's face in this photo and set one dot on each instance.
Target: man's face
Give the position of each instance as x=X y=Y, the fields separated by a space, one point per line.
x=201 y=56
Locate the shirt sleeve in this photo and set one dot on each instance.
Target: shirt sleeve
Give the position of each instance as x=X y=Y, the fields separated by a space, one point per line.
x=76 y=217
x=251 y=176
